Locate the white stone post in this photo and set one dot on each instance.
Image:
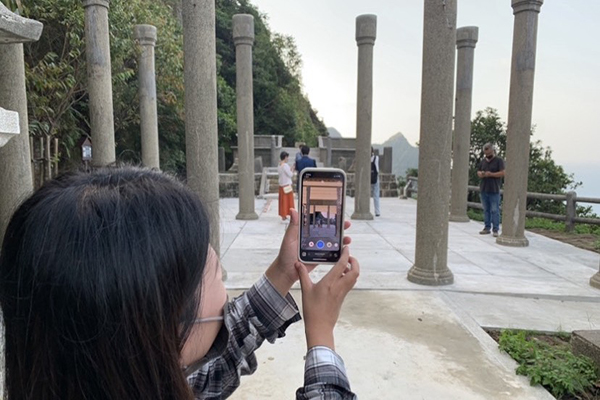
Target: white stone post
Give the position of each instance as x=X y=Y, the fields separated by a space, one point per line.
x=366 y=33
x=16 y=181
x=243 y=37
x=466 y=39
x=97 y=42
x=520 y=106
x=146 y=37
x=201 y=135
x=439 y=41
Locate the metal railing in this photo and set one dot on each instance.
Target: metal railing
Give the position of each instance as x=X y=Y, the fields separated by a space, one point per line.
x=571 y=199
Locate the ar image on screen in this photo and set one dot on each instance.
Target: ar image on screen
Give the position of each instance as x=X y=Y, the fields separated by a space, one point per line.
x=321 y=205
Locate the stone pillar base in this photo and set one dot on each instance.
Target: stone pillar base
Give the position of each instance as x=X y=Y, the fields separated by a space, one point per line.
x=459 y=218
x=362 y=216
x=247 y=216
x=512 y=241
x=595 y=280
x=429 y=277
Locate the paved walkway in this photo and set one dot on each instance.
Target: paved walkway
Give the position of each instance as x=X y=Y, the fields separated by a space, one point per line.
x=405 y=341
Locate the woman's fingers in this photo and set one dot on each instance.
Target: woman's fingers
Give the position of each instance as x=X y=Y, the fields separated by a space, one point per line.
x=305 y=282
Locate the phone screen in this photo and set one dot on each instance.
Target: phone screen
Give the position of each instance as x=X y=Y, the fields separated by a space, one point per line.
x=321 y=198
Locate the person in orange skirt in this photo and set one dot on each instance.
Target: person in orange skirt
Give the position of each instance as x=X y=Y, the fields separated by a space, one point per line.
x=286 y=191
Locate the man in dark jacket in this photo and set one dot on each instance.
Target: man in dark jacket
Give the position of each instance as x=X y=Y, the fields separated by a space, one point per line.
x=304 y=162
x=491 y=172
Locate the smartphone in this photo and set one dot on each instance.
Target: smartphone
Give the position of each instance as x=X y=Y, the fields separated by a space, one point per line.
x=322 y=204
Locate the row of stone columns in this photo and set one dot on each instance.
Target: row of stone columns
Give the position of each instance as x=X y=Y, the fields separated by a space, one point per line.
x=436 y=112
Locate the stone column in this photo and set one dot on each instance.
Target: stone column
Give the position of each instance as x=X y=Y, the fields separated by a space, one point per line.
x=201 y=135
x=439 y=41
x=243 y=37
x=520 y=105
x=16 y=181
x=366 y=32
x=466 y=38
x=146 y=37
x=99 y=81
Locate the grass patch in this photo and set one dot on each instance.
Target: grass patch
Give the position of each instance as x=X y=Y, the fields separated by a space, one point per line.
x=551 y=364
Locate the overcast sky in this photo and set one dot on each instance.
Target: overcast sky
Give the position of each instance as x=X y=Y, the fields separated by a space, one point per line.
x=566 y=101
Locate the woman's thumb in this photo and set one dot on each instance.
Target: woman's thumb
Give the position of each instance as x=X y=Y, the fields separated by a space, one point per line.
x=305 y=282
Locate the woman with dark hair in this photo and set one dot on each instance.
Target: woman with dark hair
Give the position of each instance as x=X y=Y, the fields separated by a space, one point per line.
x=110 y=290
x=286 y=192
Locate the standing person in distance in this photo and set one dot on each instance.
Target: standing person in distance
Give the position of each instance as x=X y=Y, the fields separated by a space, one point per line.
x=375 y=189
x=491 y=172
x=286 y=192
x=298 y=155
x=304 y=162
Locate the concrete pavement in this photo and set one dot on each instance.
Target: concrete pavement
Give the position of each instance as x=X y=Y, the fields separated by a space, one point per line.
x=402 y=340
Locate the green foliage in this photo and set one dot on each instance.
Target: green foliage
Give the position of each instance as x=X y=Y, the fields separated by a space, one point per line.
x=554 y=367
x=545 y=176
x=57 y=87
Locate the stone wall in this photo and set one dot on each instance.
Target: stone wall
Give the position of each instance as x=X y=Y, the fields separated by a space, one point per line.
x=228 y=185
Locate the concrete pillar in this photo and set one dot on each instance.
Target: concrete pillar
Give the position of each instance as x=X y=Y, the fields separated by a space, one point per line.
x=439 y=36
x=243 y=37
x=518 y=130
x=146 y=37
x=366 y=32
x=201 y=135
x=16 y=181
x=466 y=38
x=99 y=81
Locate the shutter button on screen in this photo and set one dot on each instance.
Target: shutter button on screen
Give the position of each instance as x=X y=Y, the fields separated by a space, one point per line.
x=320 y=244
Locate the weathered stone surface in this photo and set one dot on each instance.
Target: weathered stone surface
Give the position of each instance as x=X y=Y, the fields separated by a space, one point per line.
x=437 y=95
x=97 y=40
x=366 y=32
x=16 y=182
x=9 y=125
x=146 y=37
x=587 y=343
x=16 y=29
x=466 y=38
x=201 y=133
x=520 y=106
x=243 y=37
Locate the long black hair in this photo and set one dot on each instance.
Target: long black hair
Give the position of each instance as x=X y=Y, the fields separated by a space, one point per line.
x=99 y=284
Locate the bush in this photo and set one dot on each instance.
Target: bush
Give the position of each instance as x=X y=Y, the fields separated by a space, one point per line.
x=554 y=367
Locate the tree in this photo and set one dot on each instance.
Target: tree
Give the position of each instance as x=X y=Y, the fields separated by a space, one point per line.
x=545 y=176
x=57 y=78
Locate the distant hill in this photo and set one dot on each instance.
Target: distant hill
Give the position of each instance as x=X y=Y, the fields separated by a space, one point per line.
x=405 y=155
x=334 y=133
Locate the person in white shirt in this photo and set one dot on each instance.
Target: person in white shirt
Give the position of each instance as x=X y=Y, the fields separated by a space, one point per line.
x=286 y=191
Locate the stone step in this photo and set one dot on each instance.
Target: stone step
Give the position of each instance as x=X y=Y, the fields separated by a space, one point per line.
x=587 y=343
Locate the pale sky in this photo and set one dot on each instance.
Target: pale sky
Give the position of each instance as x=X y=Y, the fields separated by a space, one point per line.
x=566 y=101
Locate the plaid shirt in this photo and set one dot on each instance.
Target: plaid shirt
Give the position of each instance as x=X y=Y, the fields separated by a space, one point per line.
x=258 y=314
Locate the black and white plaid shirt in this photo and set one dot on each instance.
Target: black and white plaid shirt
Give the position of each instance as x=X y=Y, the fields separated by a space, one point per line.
x=258 y=314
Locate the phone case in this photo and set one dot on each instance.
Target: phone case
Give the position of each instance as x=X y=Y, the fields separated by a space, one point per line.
x=342 y=217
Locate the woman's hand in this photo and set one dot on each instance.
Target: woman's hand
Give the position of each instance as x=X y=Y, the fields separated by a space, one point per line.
x=282 y=273
x=322 y=301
